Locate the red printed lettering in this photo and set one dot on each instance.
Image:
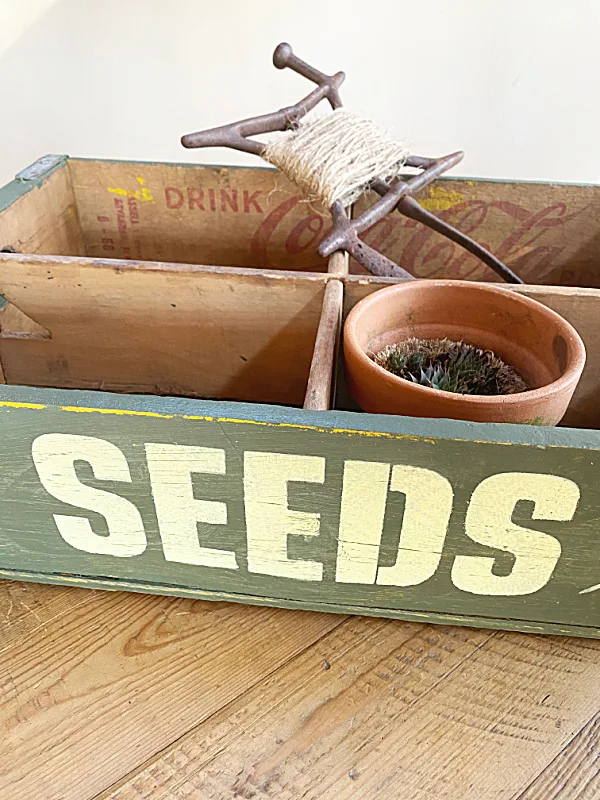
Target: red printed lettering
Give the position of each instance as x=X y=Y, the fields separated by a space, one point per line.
x=259 y=246
x=195 y=199
x=213 y=198
x=227 y=199
x=522 y=247
x=122 y=227
x=173 y=197
x=250 y=201
x=121 y=221
x=134 y=213
x=304 y=234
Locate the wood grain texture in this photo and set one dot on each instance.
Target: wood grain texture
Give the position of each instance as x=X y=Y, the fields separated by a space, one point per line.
x=575 y=772
x=541 y=231
x=579 y=306
x=151 y=699
x=42 y=217
x=306 y=711
x=26 y=609
x=14 y=324
x=338 y=263
x=324 y=361
x=246 y=217
x=91 y=695
x=231 y=216
x=163 y=328
x=387 y=710
x=106 y=695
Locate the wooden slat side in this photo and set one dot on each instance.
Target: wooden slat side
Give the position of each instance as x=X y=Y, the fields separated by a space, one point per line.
x=323 y=366
x=173 y=330
x=579 y=306
x=191 y=214
x=44 y=219
x=582 y=309
x=308 y=517
x=432 y=617
x=546 y=233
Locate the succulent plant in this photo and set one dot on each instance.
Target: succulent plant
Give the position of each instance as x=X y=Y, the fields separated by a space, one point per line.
x=450 y=367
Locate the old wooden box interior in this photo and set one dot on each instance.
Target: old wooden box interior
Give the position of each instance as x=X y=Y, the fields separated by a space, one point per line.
x=203 y=281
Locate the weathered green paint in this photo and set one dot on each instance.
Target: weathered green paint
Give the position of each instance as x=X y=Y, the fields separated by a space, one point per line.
x=465 y=454
x=22 y=184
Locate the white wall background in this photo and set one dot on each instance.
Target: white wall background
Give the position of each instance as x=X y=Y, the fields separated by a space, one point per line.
x=515 y=83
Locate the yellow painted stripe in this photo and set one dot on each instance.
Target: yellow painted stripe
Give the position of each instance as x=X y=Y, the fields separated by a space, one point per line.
x=118 y=411
x=22 y=405
x=312 y=428
x=157 y=415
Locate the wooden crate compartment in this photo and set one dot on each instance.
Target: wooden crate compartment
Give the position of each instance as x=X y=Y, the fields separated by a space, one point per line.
x=253 y=217
x=165 y=329
x=580 y=306
x=223 y=216
x=546 y=233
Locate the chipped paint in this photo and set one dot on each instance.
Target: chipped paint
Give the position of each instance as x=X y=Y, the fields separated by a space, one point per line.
x=116 y=411
x=143 y=194
x=441 y=199
x=319 y=429
x=204 y=418
x=590 y=589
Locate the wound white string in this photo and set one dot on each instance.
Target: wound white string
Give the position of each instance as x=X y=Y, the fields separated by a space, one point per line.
x=336 y=157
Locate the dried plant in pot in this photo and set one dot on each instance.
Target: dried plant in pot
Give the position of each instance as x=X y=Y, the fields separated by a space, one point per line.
x=476 y=352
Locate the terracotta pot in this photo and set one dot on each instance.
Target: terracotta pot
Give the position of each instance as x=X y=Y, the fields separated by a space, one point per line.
x=543 y=347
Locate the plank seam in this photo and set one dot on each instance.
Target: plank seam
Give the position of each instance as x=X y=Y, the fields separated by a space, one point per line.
x=433 y=686
x=409 y=615
x=522 y=793
x=116 y=785
x=105 y=795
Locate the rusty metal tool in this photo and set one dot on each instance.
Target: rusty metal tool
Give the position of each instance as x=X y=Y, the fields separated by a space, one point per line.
x=397 y=196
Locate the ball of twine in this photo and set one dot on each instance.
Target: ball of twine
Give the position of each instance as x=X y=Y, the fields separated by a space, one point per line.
x=336 y=157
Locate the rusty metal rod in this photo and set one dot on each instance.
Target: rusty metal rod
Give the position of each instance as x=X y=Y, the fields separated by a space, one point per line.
x=376 y=263
x=284 y=57
x=389 y=201
x=409 y=207
x=235 y=134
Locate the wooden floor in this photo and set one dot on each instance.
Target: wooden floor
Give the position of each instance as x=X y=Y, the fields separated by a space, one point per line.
x=123 y=696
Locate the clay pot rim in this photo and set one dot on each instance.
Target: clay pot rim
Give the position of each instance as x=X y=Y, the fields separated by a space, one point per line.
x=570 y=376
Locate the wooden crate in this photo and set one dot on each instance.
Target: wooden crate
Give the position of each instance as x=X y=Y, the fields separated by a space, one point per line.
x=174 y=416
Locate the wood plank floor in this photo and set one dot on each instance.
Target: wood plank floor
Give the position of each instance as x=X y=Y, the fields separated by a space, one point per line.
x=123 y=696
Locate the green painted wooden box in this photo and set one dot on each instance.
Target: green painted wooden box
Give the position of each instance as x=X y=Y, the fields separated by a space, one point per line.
x=173 y=415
